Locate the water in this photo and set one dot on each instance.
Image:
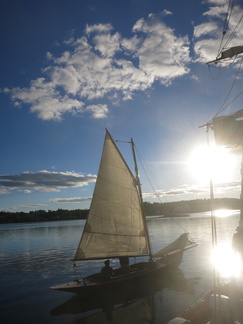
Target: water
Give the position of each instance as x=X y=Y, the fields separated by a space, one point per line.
x=35 y=256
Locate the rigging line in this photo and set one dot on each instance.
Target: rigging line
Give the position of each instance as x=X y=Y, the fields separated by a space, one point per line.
x=140 y=159
x=142 y=164
x=210 y=67
x=234 y=99
x=213 y=78
x=233 y=33
x=226 y=23
x=222 y=108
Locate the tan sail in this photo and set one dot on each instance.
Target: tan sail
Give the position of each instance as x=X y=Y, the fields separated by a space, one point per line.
x=114 y=225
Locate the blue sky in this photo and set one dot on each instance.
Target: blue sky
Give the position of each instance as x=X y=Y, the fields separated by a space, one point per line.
x=70 y=69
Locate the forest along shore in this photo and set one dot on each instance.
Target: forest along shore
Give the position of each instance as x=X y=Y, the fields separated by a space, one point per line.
x=168 y=209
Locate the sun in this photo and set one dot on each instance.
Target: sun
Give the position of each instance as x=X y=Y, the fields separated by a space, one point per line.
x=213 y=162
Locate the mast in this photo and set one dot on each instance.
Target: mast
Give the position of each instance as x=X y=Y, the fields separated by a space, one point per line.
x=232 y=138
x=228 y=132
x=238 y=236
x=241 y=195
x=141 y=199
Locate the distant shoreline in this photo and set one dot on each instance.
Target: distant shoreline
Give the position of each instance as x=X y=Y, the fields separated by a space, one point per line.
x=168 y=209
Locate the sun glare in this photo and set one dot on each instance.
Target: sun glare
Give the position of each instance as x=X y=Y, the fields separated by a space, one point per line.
x=211 y=162
x=226 y=260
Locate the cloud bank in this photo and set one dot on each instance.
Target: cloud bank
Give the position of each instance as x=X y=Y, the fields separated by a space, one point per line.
x=195 y=190
x=43 y=181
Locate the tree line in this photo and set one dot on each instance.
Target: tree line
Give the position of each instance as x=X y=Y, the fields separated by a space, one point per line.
x=190 y=206
x=151 y=209
x=42 y=215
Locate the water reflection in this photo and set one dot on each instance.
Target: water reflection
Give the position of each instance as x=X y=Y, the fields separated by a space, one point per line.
x=225 y=212
x=226 y=260
x=138 y=311
x=110 y=305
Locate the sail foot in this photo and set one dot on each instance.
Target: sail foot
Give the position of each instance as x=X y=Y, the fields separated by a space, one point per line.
x=180 y=244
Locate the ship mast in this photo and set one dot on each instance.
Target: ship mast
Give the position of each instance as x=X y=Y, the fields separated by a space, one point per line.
x=141 y=199
x=228 y=132
x=238 y=236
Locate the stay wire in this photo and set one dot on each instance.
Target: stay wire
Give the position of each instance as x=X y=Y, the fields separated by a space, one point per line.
x=209 y=69
x=233 y=33
x=226 y=24
x=222 y=108
x=142 y=164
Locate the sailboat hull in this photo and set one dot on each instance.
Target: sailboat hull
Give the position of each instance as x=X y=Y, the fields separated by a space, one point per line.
x=141 y=278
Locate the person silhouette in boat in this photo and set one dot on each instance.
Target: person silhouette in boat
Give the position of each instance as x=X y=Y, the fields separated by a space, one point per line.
x=124 y=263
x=107 y=271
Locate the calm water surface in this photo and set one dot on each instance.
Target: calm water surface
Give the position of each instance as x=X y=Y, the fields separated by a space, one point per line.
x=35 y=256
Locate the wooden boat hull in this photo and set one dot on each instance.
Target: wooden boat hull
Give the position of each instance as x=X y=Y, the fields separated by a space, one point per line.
x=142 y=277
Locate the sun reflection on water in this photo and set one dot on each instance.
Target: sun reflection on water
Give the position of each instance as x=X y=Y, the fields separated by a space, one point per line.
x=225 y=212
x=226 y=260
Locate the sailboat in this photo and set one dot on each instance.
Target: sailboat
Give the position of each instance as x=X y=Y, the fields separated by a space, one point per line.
x=116 y=228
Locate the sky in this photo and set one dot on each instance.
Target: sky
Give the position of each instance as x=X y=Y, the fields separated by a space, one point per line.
x=71 y=69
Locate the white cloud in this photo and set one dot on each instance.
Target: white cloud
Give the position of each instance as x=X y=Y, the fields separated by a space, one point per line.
x=45 y=100
x=43 y=181
x=98 y=28
x=4 y=191
x=98 y=111
x=70 y=200
x=25 y=206
x=26 y=191
x=194 y=191
x=107 y=44
x=208 y=28
x=218 y=8
x=167 y=12
x=130 y=45
x=209 y=34
x=66 y=77
x=162 y=55
x=102 y=65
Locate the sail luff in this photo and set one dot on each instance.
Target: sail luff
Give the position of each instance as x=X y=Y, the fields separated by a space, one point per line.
x=114 y=226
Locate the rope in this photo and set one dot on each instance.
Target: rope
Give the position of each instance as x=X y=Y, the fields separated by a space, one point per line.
x=76 y=273
x=142 y=164
x=156 y=194
x=222 y=108
x=233 y=33
x=226 y=24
